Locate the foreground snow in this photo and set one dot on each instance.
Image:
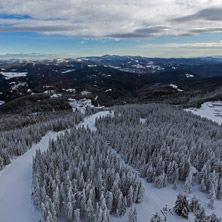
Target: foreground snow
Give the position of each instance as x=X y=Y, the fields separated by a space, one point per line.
x=209 y=110
x=15 y=186
x=16 y=181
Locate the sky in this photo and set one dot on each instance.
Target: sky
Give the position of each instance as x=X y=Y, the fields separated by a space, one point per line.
x=76 y=28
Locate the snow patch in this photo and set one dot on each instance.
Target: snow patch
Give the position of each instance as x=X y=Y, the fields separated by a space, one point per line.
x=1 y=102
x=138 y=66
x=55 y=95
x=69 y=90
x=85 y=93
x=9 y=75
x=176 y=87
x=80 y=105
x=108 y=90
x=67 y=71
x=143 y=120
x=21 y=84
x=189 y=75
x=49 y=91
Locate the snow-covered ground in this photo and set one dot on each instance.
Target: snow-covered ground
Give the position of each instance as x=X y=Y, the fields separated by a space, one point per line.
x=15 y=186
x=90 y=121
x=55 y=95
x=67 y=71
x=209 y=110
x=189 y=75
x=9 y=75
x=85 y=93
x=176 y=87
x=16 y=181
x=1 y=102
x=69 y=90
x=80 y=105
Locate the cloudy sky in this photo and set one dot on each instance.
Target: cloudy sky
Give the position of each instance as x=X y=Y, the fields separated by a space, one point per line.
x=72 y=28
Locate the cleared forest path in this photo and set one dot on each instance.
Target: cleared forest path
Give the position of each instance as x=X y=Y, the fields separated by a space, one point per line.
x=16 y=183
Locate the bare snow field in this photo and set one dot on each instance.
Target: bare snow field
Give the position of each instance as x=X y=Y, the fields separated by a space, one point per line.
x=209 y=110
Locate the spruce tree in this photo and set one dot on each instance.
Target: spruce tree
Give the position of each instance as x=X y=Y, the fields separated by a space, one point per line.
x=182 y=206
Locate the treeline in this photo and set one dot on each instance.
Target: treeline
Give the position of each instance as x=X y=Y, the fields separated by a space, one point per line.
x=167 y=145
x=17 y=142
x=80 y=178
x=14 y=121
x=195 y=98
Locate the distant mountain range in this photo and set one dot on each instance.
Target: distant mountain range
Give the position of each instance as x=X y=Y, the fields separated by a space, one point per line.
x=110 y=79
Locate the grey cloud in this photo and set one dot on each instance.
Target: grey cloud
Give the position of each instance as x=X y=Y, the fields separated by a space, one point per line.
x=210 y=14
x=206 y=30
x=141 y=33
x=37 y=28
x=193 y=32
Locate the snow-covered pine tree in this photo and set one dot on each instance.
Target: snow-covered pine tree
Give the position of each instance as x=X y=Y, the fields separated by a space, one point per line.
x=181 y=206
x=194 y=205
x=156 y=218
x=132 y=215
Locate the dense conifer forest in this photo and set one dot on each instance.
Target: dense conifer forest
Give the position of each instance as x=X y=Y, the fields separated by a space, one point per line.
x=82 y=177
x=167 y=145
x=15 y=142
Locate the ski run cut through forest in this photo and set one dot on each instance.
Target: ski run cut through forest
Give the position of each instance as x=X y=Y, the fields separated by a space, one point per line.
x=117 y=184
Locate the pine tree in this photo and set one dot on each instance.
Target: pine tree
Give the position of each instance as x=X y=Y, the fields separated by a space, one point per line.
x=212 y=196
x=130 y=197
x=194 y=205
x=140 y=192
x=200 y=216
x=156 y=218
x=181 y=206
x=69 y=210
x=77 y=215
x=132 y=215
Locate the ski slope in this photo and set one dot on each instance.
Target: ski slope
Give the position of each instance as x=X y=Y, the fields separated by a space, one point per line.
x=15 y=186
x=89 y=121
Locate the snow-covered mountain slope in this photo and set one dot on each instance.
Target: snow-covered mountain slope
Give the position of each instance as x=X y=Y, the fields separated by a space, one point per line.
x=209 y=110
x=15 y=188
